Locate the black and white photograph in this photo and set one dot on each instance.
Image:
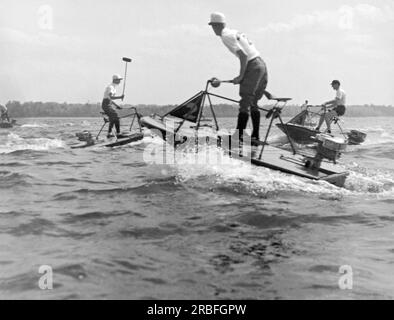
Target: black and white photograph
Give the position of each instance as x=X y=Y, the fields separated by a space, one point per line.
x=168 y=150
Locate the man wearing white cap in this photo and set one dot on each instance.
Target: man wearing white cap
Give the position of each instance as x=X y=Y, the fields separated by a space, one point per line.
x=108 y=104
x=253 y=77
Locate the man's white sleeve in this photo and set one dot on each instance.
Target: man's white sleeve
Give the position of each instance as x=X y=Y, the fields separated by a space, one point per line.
x=231 y=43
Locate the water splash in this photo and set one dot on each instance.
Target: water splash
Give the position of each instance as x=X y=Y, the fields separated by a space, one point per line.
x=215 y=169
x=369 y=181
x=14 y=142
x=34 y=125
x=241 y=175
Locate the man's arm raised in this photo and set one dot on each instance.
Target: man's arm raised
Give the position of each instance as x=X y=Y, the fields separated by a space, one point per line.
x=117 y=98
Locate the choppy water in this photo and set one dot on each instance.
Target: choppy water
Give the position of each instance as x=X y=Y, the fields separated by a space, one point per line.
x=113 y=226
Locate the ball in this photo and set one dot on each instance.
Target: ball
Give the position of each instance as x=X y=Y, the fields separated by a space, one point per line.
x=215 y=82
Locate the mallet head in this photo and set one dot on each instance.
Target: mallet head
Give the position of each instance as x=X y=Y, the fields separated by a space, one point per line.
x=215 y=82
x=125 y=59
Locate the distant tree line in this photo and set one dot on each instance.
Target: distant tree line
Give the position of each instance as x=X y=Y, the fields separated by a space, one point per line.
x=55 y=109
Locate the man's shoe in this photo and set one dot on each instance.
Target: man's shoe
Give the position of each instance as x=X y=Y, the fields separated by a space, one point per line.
x=256 y=142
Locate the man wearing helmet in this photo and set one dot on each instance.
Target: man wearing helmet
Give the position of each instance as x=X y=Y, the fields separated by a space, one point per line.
x=108 y=105
x=253 y=76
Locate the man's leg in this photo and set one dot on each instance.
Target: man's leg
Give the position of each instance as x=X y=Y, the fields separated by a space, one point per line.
x=117 y=126
x=113 y=120
x=322 y=118
x=108 y=112
x=328 y=118
x=255 y=112
x=328 y=123
x=110 y=127
x=248 y=91
x=242 y=123
x=243 y=115
x=255 y=115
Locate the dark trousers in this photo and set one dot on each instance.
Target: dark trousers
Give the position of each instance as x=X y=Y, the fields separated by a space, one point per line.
x=340 y=110
x=252 y=89
x=253 y=85
x=112 y=116
x=4 y=116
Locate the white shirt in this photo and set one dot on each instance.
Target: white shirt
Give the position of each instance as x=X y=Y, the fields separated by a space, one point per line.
x=340 y=97
x=236 y=41
x=110 y=91
x=3 y=109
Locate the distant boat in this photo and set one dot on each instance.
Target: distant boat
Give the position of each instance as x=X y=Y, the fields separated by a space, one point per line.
x=7 y=125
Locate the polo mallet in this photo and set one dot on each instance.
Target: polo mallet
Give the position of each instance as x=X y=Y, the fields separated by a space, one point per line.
x=126 y=60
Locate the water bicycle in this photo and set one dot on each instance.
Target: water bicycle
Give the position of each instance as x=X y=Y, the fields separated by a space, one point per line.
x=187 y=121
x=87 y=139
x=7 y=124
x=302 y=128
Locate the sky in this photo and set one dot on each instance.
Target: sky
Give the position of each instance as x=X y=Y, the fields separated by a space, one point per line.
x=68 y=50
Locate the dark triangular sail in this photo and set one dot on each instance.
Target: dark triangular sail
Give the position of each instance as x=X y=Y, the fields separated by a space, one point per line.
x=300 y=118
x=190 y=109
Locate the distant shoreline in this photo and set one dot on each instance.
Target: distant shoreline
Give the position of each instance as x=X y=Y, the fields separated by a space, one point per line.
x=219 y=117
x=88 y=110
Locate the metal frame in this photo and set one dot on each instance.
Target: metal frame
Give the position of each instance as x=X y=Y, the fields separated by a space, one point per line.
x=323 y=111
x=134 y=114
x=276 y=113
x=272 y=113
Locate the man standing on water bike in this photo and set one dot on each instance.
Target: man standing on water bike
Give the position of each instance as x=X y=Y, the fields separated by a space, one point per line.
x=4 y=113
x=108 y=105
x=253 y=77
x=337 y=105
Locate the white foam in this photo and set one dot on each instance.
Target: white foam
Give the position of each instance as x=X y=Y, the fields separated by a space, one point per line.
x=16 y=143
x=384 y=138
x=149 y=138
x=33 y=125
x=257 y=180
x=369 y=181
x=370 y=129
x=260 y=180
x=212 y=164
